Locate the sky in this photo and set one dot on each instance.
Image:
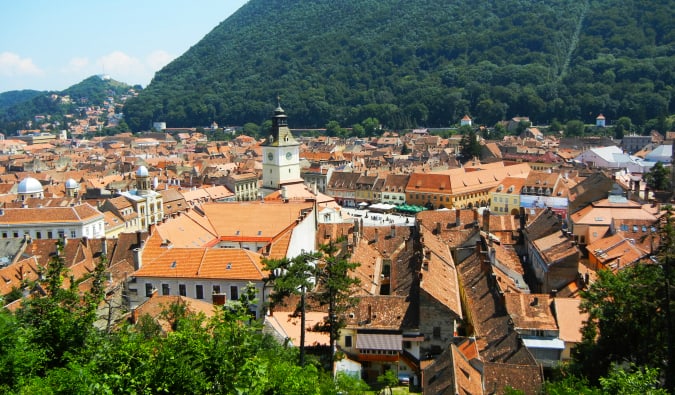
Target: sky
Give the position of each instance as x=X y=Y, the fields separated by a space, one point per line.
x=54 y=44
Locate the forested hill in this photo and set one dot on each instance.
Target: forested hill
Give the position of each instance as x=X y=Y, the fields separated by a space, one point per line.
x=17 y=107
x=422 y=62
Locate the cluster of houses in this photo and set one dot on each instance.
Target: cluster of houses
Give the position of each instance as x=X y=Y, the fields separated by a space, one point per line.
x=477 y=291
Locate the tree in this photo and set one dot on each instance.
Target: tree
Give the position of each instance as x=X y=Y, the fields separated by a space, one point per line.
x=350 y=385
x=293 y=277
x=334 y=287
x=658 y=177
x=62 y=321
x=333 y=128
x=555 y=126
x=324 y=275
x=358 y=130
x=574 y=128
x=470 y=145
x=630 y=328
x=251 y=129
x=630 y=315
x=624 y=124
x=371 y=126
x=632 y=381
x=388 y=379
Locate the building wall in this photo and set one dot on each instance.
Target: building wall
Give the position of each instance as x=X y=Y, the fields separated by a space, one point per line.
x=504 y=203
x=303 y=237
x=91 y=229
x=437 y=323
x=139 y=295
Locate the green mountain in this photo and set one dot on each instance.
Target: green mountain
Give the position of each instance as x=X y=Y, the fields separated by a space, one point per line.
x=17 y=107
x=421 y=62
x=8 y=99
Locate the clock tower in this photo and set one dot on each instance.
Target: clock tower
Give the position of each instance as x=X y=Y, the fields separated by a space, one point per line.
x=281 y=155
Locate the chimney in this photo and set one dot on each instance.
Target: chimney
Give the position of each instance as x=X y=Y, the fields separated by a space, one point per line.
x=138 y=238
x=438 y=228
x=370 y=313
x=522 y=218
x=104 y=246
x=392 y=231
x=475 y=215
x=377 y=235
x=458 y=221
x=138 y=259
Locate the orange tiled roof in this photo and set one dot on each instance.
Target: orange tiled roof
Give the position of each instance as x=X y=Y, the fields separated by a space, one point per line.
x=253 y=219
x=204 y=263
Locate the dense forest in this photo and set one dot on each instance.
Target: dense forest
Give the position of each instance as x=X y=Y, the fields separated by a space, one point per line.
x=410 y=63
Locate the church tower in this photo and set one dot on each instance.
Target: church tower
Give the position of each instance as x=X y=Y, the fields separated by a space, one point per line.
x=281 y=155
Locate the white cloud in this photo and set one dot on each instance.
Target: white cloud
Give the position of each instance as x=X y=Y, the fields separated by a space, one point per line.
x=12 y=65
x=158 y=59
x=119 y=63
x=76 y=64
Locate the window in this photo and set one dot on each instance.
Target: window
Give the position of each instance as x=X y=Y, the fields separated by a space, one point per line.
x=73 y=234
x=165 y=289
x=50 y=235
x=38 y=235
x=348 y=341
x=407 y=344
x=234 y=292
x=216 y=289
x=437 y=332
x=181 y=290
x=199 y=290
x=148 y=290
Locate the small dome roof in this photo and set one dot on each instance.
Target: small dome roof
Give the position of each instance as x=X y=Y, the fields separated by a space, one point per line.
x=71 y=184
x=142 y=172
x=30 y=185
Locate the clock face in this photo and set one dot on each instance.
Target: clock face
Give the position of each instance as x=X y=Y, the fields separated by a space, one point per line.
x=270 y=156
x=289 y=155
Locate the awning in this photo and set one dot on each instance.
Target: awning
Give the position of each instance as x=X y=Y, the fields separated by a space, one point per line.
x=555 y=344
x=372 y=341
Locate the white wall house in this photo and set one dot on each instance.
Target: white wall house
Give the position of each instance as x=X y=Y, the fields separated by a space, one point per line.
x=613 y=157
x=72 y=222
x=198 y=273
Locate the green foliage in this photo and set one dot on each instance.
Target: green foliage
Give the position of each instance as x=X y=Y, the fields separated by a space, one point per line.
x=635 y=381
x=630 y=316
x=559 y=59
x=574 y=128
x=333 y=129
x=630 y=327
x=470 y=146
x=18 y=107
x=388 y=379
x=350 y=385
x=251 y=129
x=325 y=276
x=226 y=354
x=371 y=126
x=658 y=177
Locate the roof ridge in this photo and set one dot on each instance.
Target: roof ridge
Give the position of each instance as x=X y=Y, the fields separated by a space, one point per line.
x=201 y=261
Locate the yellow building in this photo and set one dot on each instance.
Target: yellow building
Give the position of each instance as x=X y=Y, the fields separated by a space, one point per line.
x=505 y=197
